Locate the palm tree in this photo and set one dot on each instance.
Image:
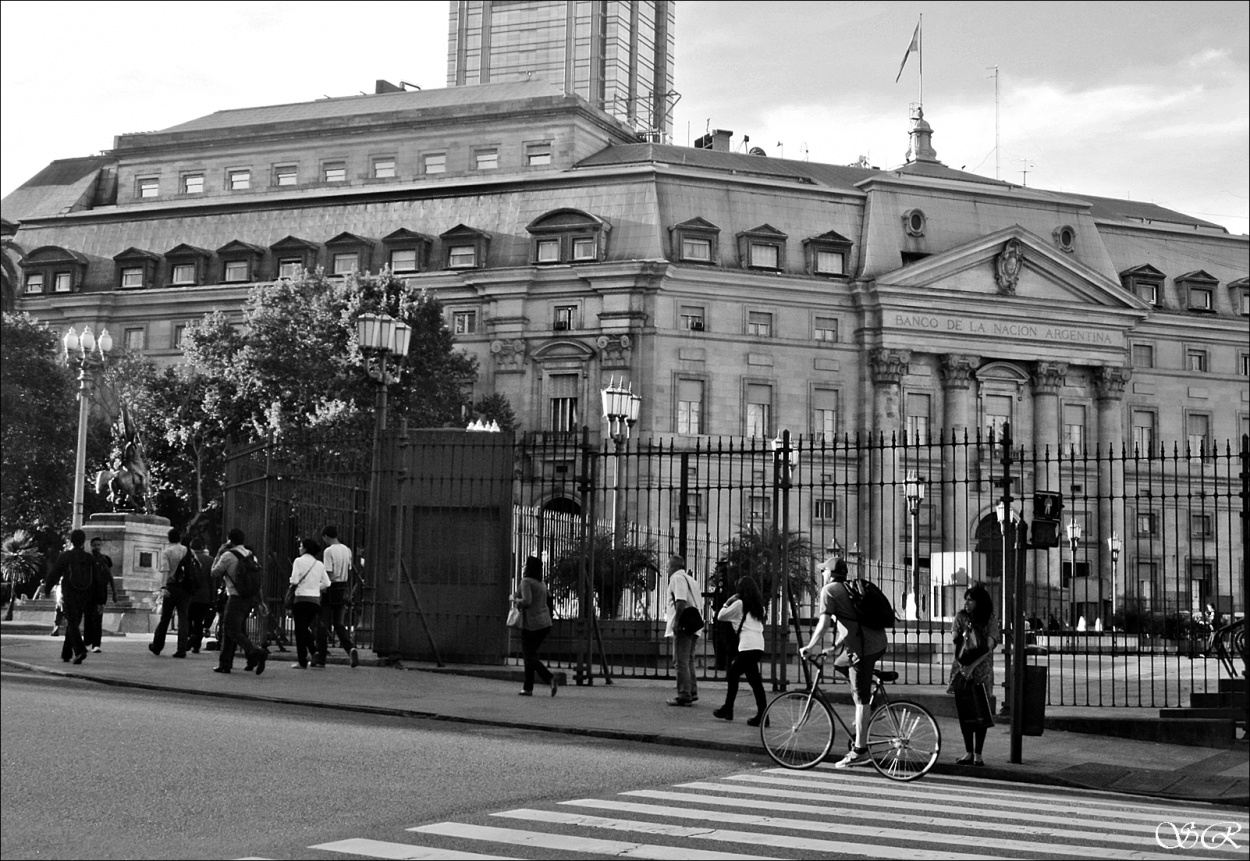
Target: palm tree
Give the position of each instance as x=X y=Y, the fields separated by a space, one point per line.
x=759 y=553
x=20 y=560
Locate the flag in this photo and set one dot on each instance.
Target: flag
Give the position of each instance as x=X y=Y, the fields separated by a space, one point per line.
x=914 y=46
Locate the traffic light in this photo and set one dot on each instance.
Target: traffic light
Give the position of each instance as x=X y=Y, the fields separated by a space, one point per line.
x=1047 y=518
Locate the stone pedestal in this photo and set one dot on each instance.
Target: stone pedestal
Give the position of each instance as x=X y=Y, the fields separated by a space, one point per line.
x=134 y=541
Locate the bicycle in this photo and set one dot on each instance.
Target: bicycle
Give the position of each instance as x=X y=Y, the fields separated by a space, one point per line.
x=798 y=729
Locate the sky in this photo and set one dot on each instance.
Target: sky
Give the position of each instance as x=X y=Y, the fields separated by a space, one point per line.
x=1146 y=101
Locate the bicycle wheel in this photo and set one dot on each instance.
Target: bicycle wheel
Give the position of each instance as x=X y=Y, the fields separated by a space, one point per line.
x=904 y=740
x=797 y=730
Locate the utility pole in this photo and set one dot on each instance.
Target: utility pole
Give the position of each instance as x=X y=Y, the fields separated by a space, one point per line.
x=996 y=146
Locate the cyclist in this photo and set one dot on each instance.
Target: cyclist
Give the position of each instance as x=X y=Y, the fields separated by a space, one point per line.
x=859 y=647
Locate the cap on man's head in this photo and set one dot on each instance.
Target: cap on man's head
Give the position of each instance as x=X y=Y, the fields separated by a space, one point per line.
x=829 y=563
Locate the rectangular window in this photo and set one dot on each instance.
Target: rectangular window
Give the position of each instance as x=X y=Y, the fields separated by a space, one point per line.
x=825 y=329
x=485 y=159
x=134 y=339
x=759 y=411
x=1200 y=525
x=236 y=272
x=997 y=413
x=692 y=318
x=63 y=282
x=179 y=332
x=564 y=403
x=334 y=171
x=1243 y=302
x=548 y=251
x=1144 y=431
x=585 y=249
x=918 y=412
x=149 y=187
x=1146 y=584
x=1074 y=430
x=1147 y=291
x=1147 y=523
x=690 y=406
x=696 y=249
x=183 y=273
x=1195 y=359
x=1143 y=356
x=759 y=324
x=824 y=415
x=764 y=255
x=760 y=507
x=1243 y=364
x=346 y=263
x=830 y=263
x=1198 y=433
x=404 y=260
x=463 y=322
x=1201 y=573
x=565 y=317
x=537 y=154
x=240 y=180
x=132 y=276
x=34 y=282
x=291 y=267
x=694 y=506
x=825 y=509
x=462 y=257
x=193 y=183
x=287 y=174
x=434 y=162
x=1200 y=299
x=384 y=168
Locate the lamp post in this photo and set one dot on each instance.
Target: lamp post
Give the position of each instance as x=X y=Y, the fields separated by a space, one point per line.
x=1115 y=544
x=785 y=462
x=913 y=488
x=87 y=354
x=620 y=408
x=1074 y=539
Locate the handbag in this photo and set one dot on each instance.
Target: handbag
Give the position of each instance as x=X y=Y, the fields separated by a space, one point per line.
x=514 y=617
x=972 y=701
x=289 y=600
x=690 y=621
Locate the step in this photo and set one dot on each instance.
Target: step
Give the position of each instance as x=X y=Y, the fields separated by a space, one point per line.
x=1223 y=699
x=1233 y=686
x=1232 y=713
x=1196 y=732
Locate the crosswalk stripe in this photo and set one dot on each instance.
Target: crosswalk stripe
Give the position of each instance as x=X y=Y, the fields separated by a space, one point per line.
x=398 y=851
x=572 y=843
x=841 y=847
x=962 y=833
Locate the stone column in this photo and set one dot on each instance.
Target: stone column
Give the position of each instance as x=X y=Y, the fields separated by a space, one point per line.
x=878 y=530
x=956 y=373
x=1048 y=379
x=1109 y=393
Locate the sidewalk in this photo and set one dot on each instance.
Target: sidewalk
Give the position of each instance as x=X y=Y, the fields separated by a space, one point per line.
x=634 y=710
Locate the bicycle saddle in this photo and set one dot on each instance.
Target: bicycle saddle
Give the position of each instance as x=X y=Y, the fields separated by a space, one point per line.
x=889 y=676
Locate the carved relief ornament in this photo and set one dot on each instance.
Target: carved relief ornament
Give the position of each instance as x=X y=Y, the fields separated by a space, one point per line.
x=1007 y=266
x=1109 y=382
x=509 y=355
x=957 y=370
x=1050 y=377
x=615 y=350
x=889 y=366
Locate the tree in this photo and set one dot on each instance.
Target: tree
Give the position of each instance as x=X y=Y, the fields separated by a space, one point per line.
x=757 y=552
x=497 y=408
x=20 y=563
x=615 y=570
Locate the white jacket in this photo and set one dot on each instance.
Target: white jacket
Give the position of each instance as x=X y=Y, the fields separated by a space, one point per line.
x=309 y=577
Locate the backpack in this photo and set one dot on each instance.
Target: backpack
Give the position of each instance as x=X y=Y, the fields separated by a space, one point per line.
x=186 y=576
x=246 y=579
x=81 y=574
x=872 y=608
x=690 y=621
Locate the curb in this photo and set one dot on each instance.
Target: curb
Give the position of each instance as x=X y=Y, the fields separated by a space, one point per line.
x=946 y=769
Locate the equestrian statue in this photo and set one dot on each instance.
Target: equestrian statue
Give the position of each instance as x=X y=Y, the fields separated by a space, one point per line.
x=127 y=482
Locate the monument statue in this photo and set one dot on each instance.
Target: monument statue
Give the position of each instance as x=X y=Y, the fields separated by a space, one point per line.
x=127 y=481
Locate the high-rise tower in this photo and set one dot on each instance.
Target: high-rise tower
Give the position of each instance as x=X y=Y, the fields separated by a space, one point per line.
x=616 y=54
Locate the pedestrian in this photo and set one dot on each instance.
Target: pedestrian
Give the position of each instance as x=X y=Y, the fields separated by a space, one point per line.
x=231 y=555
x=201 y=610
x=308 y=576
x=337 y=558
x=94 y=622
x=174 y=599
x=860 y=647
x=745 y=611
x=976 y=637
x=75 y=575
x=531 y=598
x=683 y=592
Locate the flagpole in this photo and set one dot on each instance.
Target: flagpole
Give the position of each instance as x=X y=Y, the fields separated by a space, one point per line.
x=920 y=51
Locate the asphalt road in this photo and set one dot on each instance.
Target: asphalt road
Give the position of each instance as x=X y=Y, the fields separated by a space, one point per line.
x=89 y=771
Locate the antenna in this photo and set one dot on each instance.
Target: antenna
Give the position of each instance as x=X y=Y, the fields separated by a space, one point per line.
x=406 y=84
x=1024 y=172
x=996 y=151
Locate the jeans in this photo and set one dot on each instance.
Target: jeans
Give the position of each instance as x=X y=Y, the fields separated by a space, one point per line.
x=747 y=664
x=173 y=602
x=304 y=616
x=233 y=620
x=531 y=641
x=683 y=655
x=73 y=646
x=199 y=620
x=93 y=625
x=333 y=607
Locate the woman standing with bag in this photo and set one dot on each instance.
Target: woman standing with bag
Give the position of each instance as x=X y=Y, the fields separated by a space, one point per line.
x=745 y=611
x=972 y=671
x=531 y=600
x=308 y=581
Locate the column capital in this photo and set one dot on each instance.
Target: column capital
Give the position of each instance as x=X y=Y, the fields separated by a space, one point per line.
x=889 y=366
x=1109 y=382
x=956 y=370
x=1049 y=377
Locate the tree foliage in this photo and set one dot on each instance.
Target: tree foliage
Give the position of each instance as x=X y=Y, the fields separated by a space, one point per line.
x=615 y=569
x=758 y=552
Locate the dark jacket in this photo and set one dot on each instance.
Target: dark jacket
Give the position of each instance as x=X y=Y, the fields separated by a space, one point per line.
x=76 y=571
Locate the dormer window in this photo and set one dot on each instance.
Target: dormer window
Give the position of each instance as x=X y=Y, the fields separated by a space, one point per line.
x=147 y=186
x=1065 y=238
x=695 y=241
x=1198 y=291
x=827 y=254
x=914 y=222
x=1239 y=291
x=568 y=236
x=187 y=265
x=34 y=283
x=464 y=248
x=136 y=269
x=294 y=255
x=334 y=171
x=193 y=183
x=349 y=253
x=763 y=247
x=1145 y=282
x=240 y=262
x=407 y=251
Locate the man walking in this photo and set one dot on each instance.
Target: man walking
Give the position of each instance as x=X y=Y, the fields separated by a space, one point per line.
x=861 y=648
x=230 y=560
x=93 y=625
x=200 y=612
x=337 y=559
x=74 y=571
x=173 y=597
x=683 y=592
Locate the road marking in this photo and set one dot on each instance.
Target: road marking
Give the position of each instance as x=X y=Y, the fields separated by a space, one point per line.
x=571 y=843
x=397 y=851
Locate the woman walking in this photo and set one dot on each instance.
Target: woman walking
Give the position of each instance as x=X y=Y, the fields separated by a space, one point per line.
x=531 y=600
x=745 y=611
x=309 y=578
x=975 y=636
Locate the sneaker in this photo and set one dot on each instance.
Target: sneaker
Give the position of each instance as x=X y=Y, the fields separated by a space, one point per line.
x=854 y=757
x=755 y=721
x=195 y=650
x=694 y=698
x=260 y=661
x=153 y=649
x=554 y=686
x=723 y=713
x=355 y=657
x=95 y=649
x=678 y=701
x=221 y=670
x=299 y=666
x=78 y=659
x=524 y=693
x=178 y=655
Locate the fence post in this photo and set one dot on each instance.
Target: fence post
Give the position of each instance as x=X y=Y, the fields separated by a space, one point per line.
x=683 y=507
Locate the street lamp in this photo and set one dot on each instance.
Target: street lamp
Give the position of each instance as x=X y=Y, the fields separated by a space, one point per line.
x=87 y=354
x=620 y=408
x=1074 y=538
x=1115 y=544
x=785 y=462
x=913 y=488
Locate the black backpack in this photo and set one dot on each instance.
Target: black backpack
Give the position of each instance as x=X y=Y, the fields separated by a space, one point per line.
x=80 y=576
x=246 y=579
x=872 y=608
x=187 y=575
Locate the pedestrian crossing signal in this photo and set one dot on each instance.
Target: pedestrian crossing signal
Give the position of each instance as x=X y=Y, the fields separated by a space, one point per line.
x=1047 y=518
x=1046 y=533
